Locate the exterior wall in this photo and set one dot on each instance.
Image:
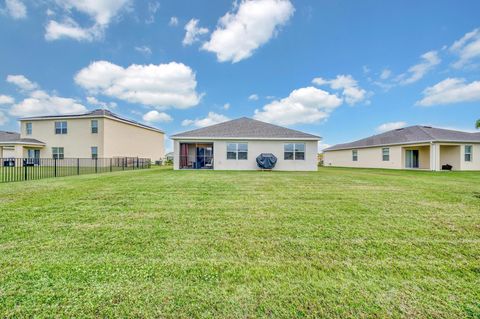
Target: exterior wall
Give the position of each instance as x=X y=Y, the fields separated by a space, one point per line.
x=367 y=158
x=255 y=148
x=14 y=151
x=76 y=143
x=450 y=154
x=474 y=165
x=122 y=139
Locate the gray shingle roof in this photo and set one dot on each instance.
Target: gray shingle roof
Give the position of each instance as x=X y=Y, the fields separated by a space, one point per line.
x=13 y=137
x=98 y=112
x=410 y=135
x=246 y=128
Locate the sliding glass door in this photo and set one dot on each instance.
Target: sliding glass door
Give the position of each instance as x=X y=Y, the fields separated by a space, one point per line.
x=411 y=159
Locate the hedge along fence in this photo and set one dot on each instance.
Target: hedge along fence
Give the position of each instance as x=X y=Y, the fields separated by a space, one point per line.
x=24 y=169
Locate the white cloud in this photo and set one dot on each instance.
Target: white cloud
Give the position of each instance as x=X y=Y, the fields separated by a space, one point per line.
x=70 y=29
x=390 y=126
x=250 y=25
x=41 y=103
x=386 y=73
x=152 y=10
x=322 y=146
x=155 y=116
x=101 y=12
x=449 y=91
x=22 y=82
x=226 y=106
x=211 y=119
x=3 y=118
x=145 y=50
x=5 y=99
x=351 y=91
x=173 y=22
x=304 y=105
x=467 y=48
x=16 y=9
x=418 y=71
x=193 y=32
x=163 y=85
x=253 y=97
x=104 y=105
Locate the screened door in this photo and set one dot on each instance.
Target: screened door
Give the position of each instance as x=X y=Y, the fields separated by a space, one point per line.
x=411 y=159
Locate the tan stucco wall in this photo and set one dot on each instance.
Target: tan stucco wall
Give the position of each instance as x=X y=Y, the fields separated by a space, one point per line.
x=255 y=148
x=474 y=165
x=76 y=143
x=121 y=139
x=450 y=154
x=367 y=158
x=8 y=152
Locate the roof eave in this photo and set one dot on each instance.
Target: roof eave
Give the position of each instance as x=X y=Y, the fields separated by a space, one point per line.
x=247 y=138
x=397 y=144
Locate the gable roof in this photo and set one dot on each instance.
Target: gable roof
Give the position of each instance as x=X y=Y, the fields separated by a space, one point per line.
x=410 y=135
x=92 y=114
x=14 y=138
x=245 y=128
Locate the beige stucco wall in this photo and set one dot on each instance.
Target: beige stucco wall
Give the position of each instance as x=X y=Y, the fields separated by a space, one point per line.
x=367 y=158
x=450 y=154
x=255 y=148
x=76 y=143
x=122 y=139
x=10 y=151
x=474 y=165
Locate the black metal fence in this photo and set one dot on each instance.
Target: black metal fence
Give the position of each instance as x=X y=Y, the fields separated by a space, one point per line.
x=25 y=169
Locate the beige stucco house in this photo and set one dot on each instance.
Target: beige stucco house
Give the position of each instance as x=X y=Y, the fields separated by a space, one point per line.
x=235 y=145
x=99 y=133
x=414 y=147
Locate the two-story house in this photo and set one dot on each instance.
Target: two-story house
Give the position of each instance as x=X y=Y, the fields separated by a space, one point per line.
x=96 y=134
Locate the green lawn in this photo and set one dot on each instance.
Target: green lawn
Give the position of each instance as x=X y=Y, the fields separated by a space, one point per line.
x=158 y=243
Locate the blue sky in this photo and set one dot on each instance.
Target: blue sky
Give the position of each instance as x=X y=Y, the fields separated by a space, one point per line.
x=339 y=69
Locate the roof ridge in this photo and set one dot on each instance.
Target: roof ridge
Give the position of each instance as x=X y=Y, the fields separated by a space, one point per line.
x=422 y=128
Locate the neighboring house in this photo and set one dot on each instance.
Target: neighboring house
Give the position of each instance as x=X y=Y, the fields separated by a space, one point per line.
x=169 y=156
x=414 y=147
x=95 y=134
x=235 y=145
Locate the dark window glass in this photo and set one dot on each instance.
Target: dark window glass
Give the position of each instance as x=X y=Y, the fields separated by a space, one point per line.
x=94 y=126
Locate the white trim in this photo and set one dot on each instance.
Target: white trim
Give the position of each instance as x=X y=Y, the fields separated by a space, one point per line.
x=247 y=138
x=21 y=143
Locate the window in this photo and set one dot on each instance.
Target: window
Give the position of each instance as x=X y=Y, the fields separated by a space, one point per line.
x=28 y=128
x=57 y=152
x=60 y=127
x=94 y=126
x=386 y=154
x=355 y=155
x=94 y=152
x=468 y=153
x=293 y=151
x=237 y=151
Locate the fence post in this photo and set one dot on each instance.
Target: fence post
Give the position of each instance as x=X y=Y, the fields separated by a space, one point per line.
x=25 y=168
x=137 y=162
x=110 y=164
x=123 y=163
x=96 y=165
x=78 y=166
x=55 y=166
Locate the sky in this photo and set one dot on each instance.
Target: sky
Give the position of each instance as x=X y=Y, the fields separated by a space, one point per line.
x=339 y=69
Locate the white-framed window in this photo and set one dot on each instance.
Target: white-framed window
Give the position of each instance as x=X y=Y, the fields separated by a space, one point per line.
x=28 y=128
x=355 y=155
x=294 y=151
x=386 y=154
x=61 y=127
x=94 y=126
x=94 y=150
x=468 y=153
x=237 y=151
x=58 y=152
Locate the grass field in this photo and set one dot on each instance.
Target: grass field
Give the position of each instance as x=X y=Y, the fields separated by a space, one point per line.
x=158 y=243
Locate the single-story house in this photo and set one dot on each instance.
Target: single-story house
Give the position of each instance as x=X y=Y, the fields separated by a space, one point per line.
x=414 y=147
x=235 y=145
x=169 y=156
x=95 y=134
